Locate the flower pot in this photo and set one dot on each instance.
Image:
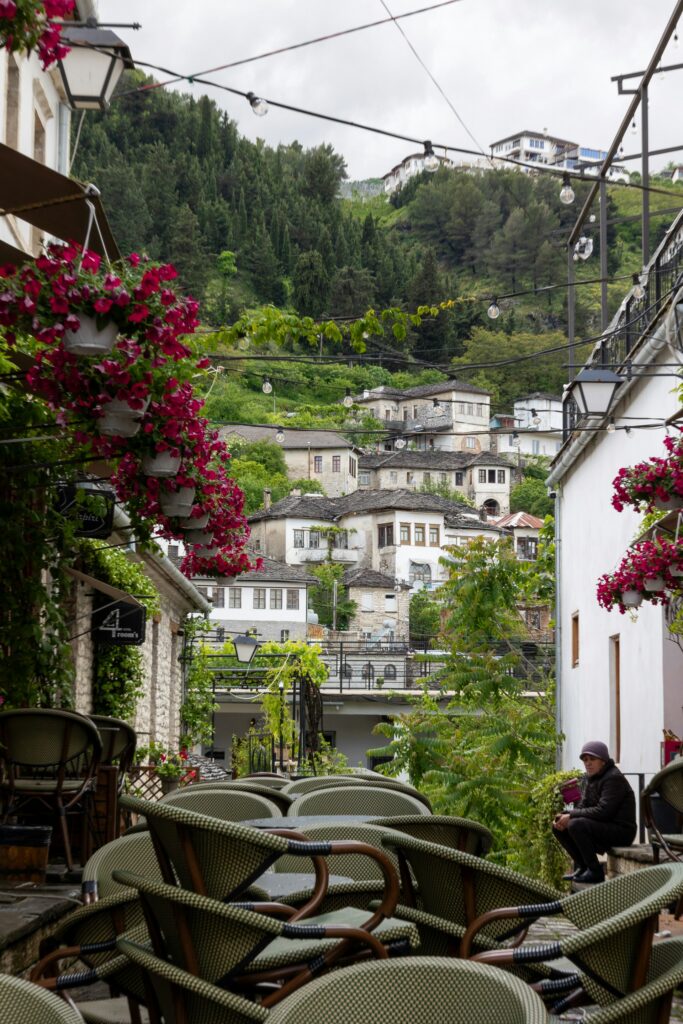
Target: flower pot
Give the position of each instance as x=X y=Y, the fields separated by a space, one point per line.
x=89 y=339
x=654 y=583
x=177 y=503
x=196 y=522
x=206 y=551
x=203 y=537
x=168 y=784
x=119 y=419
x=162 y=464
x=631 y=598
x=672 y=501
x=676 y=571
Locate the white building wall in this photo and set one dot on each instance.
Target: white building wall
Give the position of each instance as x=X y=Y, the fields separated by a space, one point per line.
x=269 y=621
x=302 y=464
x=594 y=538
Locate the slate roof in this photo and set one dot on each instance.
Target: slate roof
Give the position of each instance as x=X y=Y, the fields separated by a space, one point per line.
x=273 y=571
x=431 y=459
x=294 y=437
x=331 y=509
x=422 y=390
x=459 y=522
x=371 y=578
x=514 y=520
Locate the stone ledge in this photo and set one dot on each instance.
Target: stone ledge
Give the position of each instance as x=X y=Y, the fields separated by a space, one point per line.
x=622 y=860
x=26 y=917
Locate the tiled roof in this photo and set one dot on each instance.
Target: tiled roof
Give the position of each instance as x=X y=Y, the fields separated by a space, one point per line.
x=514 y=520
x=422 y=390
x=302 y=506
x=331 y=509
x=459 y=522
x=271 y=571
x=431 y=459
x=294 y=438
x=371 y=578
x=491 y=459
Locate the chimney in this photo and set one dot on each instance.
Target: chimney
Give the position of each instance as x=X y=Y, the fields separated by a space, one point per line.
x=266 y=498
x=295 y=492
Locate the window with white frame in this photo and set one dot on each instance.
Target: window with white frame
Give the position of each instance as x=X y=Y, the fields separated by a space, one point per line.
x=314 y=539
x=470 y=442
x=299 y=538
x=482 y=476
x=259 y=597
x=336 y=463
x=292 y=600
x=367 y=601
x=390 y=602
x=276 y=598
x=393 y=476
x=284 y=636
x=364 y=478
x=218 y=597
x=501 y=476
x=234 y=597
x=420 y=573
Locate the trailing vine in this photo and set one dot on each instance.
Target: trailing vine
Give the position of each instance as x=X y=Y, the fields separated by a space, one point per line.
x=118 y=671
x=533 y=849
x=199 y=705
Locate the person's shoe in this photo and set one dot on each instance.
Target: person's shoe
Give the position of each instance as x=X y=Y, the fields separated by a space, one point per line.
x=571 y=876
x=591 y=876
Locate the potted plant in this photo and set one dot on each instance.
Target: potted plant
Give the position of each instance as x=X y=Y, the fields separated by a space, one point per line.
x=27 y=26
x=656 y=483
x=169 y=767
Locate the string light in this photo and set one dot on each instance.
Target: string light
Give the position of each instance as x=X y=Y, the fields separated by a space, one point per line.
x=567 y=194
x=266 y=387
x=638 y=290
x=347 y=400
x=431 y=160
x=400 y=443
x=610 y=428
x=535 y=418
x=259 y=106
x=280 y=435
x=493 y=312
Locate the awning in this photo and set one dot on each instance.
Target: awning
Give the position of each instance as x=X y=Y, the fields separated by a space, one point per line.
x=105 y=588
x=51 y=202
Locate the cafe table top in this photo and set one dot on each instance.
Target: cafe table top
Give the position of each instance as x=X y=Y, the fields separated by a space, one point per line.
x=299 y=822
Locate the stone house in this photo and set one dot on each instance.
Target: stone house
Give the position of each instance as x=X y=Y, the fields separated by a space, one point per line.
x=381 y=604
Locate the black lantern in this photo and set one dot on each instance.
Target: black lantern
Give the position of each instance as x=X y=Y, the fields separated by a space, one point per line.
x=92 y=68
x=593 y=391
x=245 y=648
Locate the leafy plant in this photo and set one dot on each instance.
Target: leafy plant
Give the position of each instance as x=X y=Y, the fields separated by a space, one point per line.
x=199 y=705
x=533 y=849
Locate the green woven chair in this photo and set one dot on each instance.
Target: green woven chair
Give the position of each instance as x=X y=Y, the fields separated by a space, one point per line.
x=226 y=804
x=357 y=868
x=130 y=853
x=361 y=799
x=277 y=796
x=455 y=889
x=650 y=1004
x=22 y=1002
x=612 y=945
x=231 y=945
x=455 y=833
x=119 y=740
x=423 y=990
x=48 y=760
x=667 y=784
x=316 y=782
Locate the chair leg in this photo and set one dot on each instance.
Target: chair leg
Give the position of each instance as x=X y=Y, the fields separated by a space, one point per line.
x=61 y=811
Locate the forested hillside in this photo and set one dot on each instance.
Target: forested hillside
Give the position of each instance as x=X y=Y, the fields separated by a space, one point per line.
x=248 y=225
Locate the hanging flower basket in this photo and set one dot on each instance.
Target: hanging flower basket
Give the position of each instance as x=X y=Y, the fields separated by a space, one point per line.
x=670 y=503
x=177 y=503
x=90 y=339
x=119 y=419
x=631 y=598
x=162 y=464
x=654 y=583
x=656 y=483
x=27 y=26
x=202 y=537
x=195 y=522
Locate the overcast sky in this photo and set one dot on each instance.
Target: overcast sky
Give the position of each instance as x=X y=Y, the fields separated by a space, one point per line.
x=505 y=65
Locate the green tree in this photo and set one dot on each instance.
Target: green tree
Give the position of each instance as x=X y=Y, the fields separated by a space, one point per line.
x=424 y=617
x=322 y=596
x=531 y=496
x=311 y=284
x=444 y=490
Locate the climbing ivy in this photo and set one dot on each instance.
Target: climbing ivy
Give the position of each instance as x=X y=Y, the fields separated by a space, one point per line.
x=199 y=705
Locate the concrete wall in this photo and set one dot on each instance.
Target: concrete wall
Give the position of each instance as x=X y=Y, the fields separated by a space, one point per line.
x=301 y=465
x=375 y=608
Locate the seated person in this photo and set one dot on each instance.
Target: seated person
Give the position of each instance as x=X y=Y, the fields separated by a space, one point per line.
x=604 y=816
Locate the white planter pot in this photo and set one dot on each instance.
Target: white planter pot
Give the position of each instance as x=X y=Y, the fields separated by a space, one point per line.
x=654 y=583
x=196 y=523
x=177 y=503
x=673 y=501
x=89 y=339
x=206 y=552
x=163 y=464
x=204 y=537
x=676 y=571
x=118 y=424
x=631 y=598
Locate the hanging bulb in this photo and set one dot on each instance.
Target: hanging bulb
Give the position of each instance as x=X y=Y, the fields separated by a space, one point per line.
x=610 y=426
x=266 y=387
x=279 y=435
x=493 y=312
x=627 y=431
x=438 y=408
x=675 y=39
x=535 y=418
x=567 y=195
x=592 y=219
x=399 y=443
x=347 y=400
x=431 y=160
x=365 y=335
x=638 y=290
x=634 y=127
x=259 y=106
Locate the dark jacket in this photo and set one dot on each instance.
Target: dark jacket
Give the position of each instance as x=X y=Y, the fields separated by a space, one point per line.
x=607 y=797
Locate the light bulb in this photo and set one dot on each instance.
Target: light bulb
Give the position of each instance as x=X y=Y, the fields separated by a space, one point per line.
x=638 y=290
x=676 y=39
x=431 y=160
x=399 y=443
x=493 y=312
x=347 y=400
x=259 y=106
x=634 y=128
x=535 y=418
x=610 y=426
x=592 y=219
x=567 y=195
x=279 y=435
x=266 y=387
x=627 y=431
x=365 y=335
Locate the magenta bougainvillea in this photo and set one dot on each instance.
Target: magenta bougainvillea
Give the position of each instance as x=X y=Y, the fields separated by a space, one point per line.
x=656 y=478
x=149 y=368
x=646 y=560
x=27 y=25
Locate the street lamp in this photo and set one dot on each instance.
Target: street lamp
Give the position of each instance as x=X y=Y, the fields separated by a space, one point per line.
x=245 y=648
x=594 y=390
x=93 y=66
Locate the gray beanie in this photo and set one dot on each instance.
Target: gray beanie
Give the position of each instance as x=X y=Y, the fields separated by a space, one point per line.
x=596 y=749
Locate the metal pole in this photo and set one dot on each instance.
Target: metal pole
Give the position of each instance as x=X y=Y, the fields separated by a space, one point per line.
x=645 y=172
x=571 y=310
x=604 y=313
x=282 y=719
x=334 y=605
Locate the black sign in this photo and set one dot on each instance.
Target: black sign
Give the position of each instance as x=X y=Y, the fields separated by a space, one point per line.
x=90 y=506
x=117 y=622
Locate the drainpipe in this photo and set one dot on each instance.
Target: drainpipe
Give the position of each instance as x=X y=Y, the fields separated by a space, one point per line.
x=558 y=627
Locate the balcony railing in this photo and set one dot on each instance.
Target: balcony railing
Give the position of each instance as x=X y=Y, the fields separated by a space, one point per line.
x=660 y=279
x=318 y=555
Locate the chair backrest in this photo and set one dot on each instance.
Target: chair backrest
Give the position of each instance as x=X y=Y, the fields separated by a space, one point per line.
x=357 y=800
x=47 y=742
x=211 y=857
x=129 y=853
x=119 y=740
x=226 y=804
x=265 y=779
x=455 y=833
x=668 y=783
x=277 y=796
x=651 y=1003
x=23 y=1002
x=423 y=990
x=306 y=785
x=354 y=866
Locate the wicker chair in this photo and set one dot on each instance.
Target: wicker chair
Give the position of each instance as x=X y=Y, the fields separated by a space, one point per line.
x=455 y=833
x=316 y=782
x=130 y=853
x=361 y=799
x=226 y=804
x=232 y=945
x=119 y=740
x=25 y=1003
x=612 y=945
x=667 y=784
x=651 y=1003
x=276 y=796
x=48 y=761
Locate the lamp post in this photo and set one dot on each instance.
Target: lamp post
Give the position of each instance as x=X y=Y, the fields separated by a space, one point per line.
x=594 y=390
x=282 y=720
x=92 y=68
